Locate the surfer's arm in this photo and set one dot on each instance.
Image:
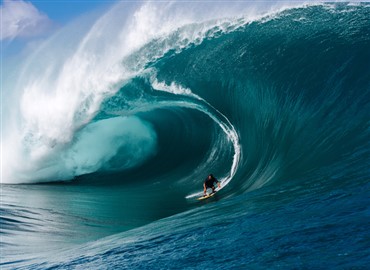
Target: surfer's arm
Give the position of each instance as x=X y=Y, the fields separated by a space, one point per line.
x=218 y=184
x=204 y=189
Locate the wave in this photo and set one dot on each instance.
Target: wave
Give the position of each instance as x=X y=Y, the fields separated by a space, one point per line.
x=284 y=111
x=91 y=69
x=39 y=124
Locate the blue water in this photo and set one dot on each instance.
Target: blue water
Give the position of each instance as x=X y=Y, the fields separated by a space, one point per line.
x=112 y=138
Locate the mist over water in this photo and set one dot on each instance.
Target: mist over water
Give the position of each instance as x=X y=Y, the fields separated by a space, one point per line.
x=122 y=126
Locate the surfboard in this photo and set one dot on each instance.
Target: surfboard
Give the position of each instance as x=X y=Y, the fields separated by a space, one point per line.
x=206 y=196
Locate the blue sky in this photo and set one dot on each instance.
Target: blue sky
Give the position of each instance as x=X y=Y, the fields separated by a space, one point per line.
x=24 y=22
x=62 y=11
x=22 y=19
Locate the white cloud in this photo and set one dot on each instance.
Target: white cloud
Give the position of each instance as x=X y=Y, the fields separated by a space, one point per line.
x=22 y=19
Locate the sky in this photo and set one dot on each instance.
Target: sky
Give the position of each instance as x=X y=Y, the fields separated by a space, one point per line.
x=64 y=10
x=24 y=22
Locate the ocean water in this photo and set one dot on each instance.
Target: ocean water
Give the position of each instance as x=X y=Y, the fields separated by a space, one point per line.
x=106 y=141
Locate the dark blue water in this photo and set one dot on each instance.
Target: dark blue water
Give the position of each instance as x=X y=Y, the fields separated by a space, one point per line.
x=277 y=108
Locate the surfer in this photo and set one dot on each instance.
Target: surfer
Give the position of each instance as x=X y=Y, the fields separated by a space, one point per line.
x=210 y=183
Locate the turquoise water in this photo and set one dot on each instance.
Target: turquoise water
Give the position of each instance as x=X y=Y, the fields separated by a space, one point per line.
x=275 y=106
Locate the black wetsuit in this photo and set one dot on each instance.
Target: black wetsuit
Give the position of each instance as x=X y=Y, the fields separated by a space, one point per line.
x=210 y=182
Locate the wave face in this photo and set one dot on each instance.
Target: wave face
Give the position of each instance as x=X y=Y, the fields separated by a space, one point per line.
x=276 y=106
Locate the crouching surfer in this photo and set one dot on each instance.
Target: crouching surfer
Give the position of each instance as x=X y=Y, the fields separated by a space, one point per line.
x=210 y=183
